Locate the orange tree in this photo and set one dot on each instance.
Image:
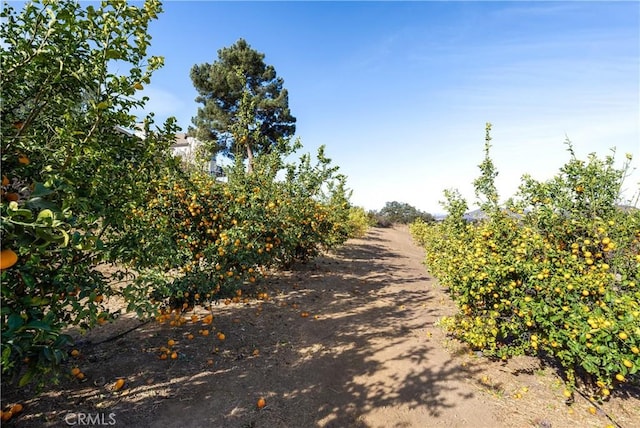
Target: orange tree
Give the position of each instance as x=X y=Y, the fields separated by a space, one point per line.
x=222 y=235
x=554 y=273
x=69 y=171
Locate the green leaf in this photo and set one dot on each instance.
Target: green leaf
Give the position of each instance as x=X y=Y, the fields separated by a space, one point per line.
x=112 y=54
x=46 y=215
x=40 y=190
x=47 y=353
x=36 y=301
x=38 y=325
x=39 y=203
x=21 y=213
x=15 y=321
x=26 y=378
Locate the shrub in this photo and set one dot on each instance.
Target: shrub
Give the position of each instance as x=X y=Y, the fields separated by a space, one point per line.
x=358 y=222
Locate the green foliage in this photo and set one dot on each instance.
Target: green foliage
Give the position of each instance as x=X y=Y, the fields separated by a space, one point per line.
x=358 y=222
x=68 y=173
x=240 y=81
x=556 y=273
x=402 y=213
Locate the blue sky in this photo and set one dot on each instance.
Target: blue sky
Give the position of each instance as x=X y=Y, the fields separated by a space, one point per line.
x=399 y=92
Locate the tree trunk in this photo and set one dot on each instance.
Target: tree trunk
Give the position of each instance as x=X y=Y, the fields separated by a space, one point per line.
x=250 y=159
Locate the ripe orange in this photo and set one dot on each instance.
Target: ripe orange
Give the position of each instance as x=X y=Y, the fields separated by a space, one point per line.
x=75 y=371
x=171 y=342
x=24 y=160
x=75 y=353
x=80 y=376
x=118 y=385
x=16 y=408
x=221 y=336
x=8 y=258
x=5 y=180
x=163 y=356
x=174 y=355
x=261 y=403
x=5 y=416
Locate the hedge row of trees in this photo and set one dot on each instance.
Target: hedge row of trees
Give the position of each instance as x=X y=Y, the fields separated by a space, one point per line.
x=79 y=194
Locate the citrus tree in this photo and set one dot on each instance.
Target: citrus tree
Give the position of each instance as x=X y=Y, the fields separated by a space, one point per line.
x=70 y=171
x=554 y=272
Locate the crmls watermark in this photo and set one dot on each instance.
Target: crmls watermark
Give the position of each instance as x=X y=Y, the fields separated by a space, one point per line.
x=90 y=419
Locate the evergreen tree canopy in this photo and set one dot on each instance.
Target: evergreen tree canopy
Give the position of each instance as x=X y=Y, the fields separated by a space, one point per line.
x=401 y=212
x=245 y=109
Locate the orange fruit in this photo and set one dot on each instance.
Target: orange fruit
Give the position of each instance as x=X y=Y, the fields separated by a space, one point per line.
x=221 y=336
x=8 y=258
x=163 y=356
x=190 y=336
x=5 y=180
x=80 y=375
x=174 y=355
x=75 y=353
x=6 y=416
x=16 y=408
x=204 y=332
x=261 y=403
x=23 y=160
x=118 y=385
x=75 y=371
x=171 y=342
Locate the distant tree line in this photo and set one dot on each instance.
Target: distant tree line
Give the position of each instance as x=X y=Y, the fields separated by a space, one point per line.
x=398 y=213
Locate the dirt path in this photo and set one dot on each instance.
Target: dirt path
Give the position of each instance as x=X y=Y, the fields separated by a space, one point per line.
x=368 y=361
x=368 y=355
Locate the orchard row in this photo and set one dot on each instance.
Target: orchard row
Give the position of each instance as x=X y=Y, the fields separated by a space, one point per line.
x=555 y=272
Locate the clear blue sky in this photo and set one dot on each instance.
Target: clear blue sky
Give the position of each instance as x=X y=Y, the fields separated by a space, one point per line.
x=400 y=92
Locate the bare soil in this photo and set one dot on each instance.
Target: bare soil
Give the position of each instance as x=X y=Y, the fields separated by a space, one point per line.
x=370 y=354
